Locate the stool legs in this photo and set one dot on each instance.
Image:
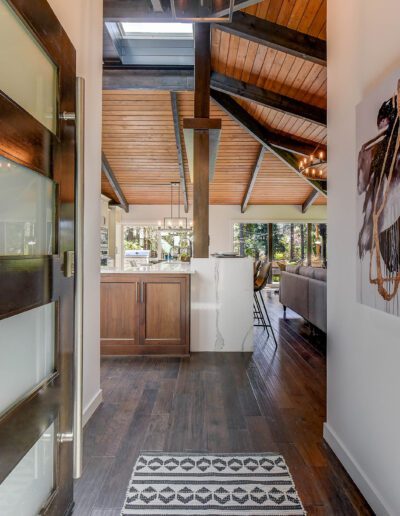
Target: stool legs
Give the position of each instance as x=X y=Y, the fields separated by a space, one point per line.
x=258 y=314
x=269 y=325
x=259 y=309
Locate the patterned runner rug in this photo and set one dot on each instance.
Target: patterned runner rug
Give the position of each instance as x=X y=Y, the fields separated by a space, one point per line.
x=206 y=484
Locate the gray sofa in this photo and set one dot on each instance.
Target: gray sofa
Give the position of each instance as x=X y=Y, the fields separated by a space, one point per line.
x=303 y=290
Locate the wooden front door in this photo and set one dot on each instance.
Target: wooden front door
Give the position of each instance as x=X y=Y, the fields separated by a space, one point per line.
x=37 y=194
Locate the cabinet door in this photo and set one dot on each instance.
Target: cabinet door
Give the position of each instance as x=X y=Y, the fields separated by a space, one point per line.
x=119 y=329
x=164 y=319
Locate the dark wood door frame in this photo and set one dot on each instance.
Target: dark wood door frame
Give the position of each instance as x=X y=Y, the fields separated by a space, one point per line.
x=29 y=282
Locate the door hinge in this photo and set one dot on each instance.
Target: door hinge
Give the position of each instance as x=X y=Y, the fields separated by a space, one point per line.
x=65 y=115
x=69 y=264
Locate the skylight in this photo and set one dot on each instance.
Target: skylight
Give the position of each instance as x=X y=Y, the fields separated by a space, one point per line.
x=158 y=30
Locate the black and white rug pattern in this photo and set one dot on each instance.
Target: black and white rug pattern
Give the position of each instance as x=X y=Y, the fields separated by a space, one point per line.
x=206 y=484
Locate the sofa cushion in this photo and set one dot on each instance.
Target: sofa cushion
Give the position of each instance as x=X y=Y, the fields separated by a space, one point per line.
x=293 y=269
x=320 y=274
x=308 y=272
x=293 y=292
x=317 y=303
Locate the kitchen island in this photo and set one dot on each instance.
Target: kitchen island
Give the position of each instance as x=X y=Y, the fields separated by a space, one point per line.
x=145 y=310
x=172 y=308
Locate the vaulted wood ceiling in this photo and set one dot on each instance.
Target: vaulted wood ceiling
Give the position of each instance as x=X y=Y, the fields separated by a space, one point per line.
x=138 y=130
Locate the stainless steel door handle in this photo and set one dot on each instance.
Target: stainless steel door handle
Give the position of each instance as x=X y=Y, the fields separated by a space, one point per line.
x=67 y=437
x=79 y=241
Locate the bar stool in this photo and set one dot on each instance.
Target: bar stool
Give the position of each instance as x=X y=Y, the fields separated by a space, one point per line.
x=260 y=281
x=256 y=268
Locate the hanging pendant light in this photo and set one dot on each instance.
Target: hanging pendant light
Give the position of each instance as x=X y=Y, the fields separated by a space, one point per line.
x=308 y=166
x=172 y=222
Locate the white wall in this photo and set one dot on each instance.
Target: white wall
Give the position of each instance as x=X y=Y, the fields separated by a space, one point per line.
x=364 y=344
x=82 y=20
x=222 y=218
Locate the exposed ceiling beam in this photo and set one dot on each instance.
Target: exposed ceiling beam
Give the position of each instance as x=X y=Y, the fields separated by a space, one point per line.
x=108 y=172
x=310 y=200
x=181 y=79
x=268 y=98
x=253 y=179
x=175 y=114
x=262 y=134
x=282 y=146
x=144 y=11
x=142 y=78
x=277 y=37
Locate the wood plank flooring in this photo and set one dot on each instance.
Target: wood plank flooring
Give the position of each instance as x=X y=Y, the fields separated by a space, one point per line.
x=216 y=402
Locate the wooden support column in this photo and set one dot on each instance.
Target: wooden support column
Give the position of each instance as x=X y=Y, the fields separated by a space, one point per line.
x=309 y=243
x=201 y=144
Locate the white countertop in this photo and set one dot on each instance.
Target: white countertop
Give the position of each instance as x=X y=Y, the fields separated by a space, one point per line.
x=157 y=268
x=170 y=267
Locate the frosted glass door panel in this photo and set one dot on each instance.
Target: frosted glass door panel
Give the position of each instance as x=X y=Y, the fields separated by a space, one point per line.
x=27 y=353
x=27 y=211
x=27 y=488
x=28 y=76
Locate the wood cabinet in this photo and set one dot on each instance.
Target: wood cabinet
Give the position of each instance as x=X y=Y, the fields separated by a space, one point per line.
x=119 y=317
x=144 y=314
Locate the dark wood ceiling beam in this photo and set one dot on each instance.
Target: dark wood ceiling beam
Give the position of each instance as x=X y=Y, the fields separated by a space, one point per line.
x=108 y=172
x=182 y=79
x=144 y=10
x=140 y=78
x=262 y=134
x=253 y=179
x=282 y=146
x=310 y=201
x=178 y=140
x=268 y=98
x=276 y=36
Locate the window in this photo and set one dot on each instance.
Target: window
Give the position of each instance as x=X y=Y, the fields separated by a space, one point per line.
x=153 y=44
x=157 y=30
x=288 y=242
x=161 y=244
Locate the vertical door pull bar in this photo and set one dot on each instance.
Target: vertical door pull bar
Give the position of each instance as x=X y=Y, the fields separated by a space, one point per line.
x=79 y=240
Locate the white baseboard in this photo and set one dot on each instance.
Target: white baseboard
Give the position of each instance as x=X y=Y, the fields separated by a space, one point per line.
x=356 y=473
x=92 y=406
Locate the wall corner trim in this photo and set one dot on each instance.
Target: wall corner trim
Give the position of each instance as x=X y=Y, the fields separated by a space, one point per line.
x=356 y=473
x=92 y=406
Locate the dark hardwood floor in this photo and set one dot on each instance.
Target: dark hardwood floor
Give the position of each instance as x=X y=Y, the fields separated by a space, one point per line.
x=218 y=402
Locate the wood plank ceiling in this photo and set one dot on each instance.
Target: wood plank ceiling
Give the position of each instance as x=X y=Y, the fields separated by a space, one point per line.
x=138 y=130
